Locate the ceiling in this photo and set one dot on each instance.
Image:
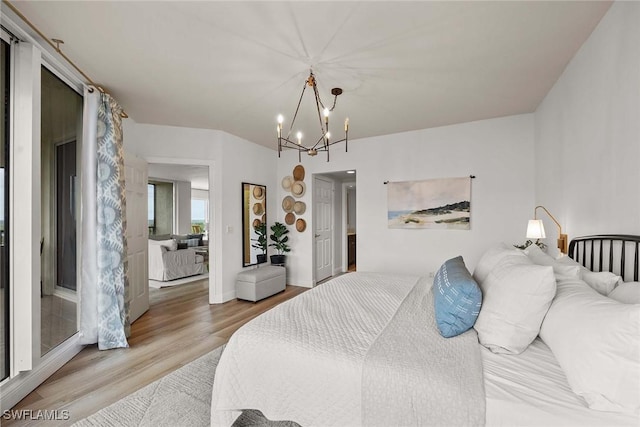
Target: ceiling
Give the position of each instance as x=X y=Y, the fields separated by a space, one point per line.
x=236 y=65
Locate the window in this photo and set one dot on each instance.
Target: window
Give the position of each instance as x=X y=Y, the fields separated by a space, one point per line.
x=200 y=212
x=199 y=215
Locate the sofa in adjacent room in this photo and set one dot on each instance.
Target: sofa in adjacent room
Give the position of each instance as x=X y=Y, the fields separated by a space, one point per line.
x=167 y=262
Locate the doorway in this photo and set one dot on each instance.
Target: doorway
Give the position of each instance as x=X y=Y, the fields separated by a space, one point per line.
x=349 y=219
x=178 y=211
x=334 y=224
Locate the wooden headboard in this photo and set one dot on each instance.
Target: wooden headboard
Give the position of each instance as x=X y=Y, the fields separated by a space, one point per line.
x=617 y=253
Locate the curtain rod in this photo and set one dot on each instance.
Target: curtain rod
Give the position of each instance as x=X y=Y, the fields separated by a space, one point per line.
x=56 y=47
x=470 y=176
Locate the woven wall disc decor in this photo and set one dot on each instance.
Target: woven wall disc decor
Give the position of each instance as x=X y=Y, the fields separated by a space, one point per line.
x=298 y=173
x=286 y=182
x=290 y=218
x=299 y=207
x=258 y=192
x=287 y=203
x=298 y=188
x=258 y=208
x=301 y=225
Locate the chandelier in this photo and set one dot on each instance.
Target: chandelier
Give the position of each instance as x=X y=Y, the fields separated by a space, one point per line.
x=324 y=142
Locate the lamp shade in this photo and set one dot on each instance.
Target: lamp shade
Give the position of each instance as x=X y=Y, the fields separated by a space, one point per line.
x=535 y=229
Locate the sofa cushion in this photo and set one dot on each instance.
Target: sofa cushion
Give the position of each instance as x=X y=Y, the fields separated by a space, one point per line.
x=170 y=244
x=197 y=237
x=160 y=236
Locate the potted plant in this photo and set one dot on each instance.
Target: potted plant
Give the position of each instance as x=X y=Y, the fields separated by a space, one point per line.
x=279 y=238
x=529 y=243
x=261 y=242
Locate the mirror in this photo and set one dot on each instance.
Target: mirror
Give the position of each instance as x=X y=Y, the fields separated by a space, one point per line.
x=254 y=224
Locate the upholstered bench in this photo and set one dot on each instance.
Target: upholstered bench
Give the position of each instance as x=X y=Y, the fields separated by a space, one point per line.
x=254 y=285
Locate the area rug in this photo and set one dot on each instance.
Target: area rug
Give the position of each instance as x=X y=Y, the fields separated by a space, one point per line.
x=181 y=398
x=157 y=284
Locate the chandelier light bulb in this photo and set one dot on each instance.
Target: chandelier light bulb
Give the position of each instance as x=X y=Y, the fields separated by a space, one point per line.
x=326 y=112
x=280 y=119
x=346 y=124
x=328 y=135
x=299 y=136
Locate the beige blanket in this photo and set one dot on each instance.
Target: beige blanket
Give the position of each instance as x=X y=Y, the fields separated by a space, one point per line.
x=414 y=376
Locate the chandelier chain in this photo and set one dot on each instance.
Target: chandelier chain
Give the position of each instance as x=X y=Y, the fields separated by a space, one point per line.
x=304 y=87
x=323 y=131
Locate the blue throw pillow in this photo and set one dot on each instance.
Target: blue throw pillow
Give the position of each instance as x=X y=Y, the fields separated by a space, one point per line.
x=457 y=298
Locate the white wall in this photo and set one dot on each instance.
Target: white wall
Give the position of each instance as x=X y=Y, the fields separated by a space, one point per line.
x=498 y=151
x=231 y=161
x=587 y=133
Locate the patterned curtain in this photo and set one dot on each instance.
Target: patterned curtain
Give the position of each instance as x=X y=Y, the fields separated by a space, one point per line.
x=104 y=302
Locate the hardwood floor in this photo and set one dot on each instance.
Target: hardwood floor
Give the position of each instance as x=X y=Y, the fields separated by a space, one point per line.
x=179 y=327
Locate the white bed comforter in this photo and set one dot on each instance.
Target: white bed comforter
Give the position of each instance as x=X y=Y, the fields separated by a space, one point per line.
x=304 y=361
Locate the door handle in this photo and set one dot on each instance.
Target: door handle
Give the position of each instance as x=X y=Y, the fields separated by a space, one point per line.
x=317 y=235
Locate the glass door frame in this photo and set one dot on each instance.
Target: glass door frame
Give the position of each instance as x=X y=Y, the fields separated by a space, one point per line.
x=58 y=290
x=6 y=142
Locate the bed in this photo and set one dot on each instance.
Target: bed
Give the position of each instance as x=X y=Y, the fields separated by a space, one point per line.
x=368 y=349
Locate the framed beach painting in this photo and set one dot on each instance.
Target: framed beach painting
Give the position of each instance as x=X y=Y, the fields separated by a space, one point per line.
x=443 y=203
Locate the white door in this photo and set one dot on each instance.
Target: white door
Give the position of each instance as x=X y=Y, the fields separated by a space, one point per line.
x=323 y=227
x=136 y=174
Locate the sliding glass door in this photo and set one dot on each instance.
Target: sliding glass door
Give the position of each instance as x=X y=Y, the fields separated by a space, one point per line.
x=61 y=133
x=4 y=211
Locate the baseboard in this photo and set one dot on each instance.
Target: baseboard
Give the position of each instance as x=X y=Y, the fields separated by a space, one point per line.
x=227 y=296
x=304 y=284
x=13 y=390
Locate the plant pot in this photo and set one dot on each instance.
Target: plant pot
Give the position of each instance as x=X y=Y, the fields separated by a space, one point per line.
x=277 y=259
x=262 y=258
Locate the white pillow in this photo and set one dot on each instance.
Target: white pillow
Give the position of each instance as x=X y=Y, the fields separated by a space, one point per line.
x=490 y=259
x=536 y=256
x=567 y=260
x=596 y=341
x=603 y=281
x=170 y=244
x=515 y=297
x=627 y=293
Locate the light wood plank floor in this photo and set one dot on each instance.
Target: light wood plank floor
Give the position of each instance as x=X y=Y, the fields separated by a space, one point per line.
x=179 y=327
